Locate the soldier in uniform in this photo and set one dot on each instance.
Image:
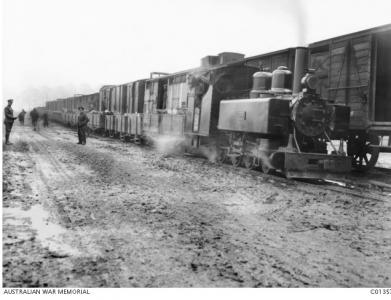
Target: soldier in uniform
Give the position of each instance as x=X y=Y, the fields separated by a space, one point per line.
x=34 y=118
x=45 y=118
x=21 y=117
x=8 y=120
x=82 y=122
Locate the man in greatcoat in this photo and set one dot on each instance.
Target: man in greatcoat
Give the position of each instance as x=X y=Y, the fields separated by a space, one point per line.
x=8 y=120
x=34 y=118
x=82 y=121
x=21 y=117
x=45 y=117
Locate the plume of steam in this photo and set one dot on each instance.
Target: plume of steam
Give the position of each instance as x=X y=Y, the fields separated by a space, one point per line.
x=209 y=152
x=168 y=145
x=294 y=8
x=299 y=15
x=265 y=159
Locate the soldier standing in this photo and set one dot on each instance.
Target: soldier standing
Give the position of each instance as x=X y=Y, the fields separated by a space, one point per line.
x=82 y=122
x=8 y=120
x=21 y=117
x=45 y=118
x=34 y=118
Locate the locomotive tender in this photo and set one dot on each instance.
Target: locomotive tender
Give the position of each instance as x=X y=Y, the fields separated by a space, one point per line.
x=288 y=120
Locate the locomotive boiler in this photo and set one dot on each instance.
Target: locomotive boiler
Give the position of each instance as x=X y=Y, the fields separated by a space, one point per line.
x=285 y=127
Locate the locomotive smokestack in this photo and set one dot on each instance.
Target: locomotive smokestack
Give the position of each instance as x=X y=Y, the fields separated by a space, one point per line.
x=301 y=64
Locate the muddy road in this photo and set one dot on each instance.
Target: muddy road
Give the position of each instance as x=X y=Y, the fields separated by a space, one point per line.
x=110 y=214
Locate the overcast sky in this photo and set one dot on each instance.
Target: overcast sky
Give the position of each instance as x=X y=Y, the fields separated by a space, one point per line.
x=56 y=48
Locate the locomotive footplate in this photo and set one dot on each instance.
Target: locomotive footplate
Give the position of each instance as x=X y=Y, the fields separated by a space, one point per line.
x=314 y=165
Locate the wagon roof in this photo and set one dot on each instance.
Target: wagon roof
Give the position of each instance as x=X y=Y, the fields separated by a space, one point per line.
x=373 y=30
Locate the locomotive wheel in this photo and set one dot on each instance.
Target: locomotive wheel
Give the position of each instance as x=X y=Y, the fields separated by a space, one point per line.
x=236 y=160
x=364 y=157
x=248 y=161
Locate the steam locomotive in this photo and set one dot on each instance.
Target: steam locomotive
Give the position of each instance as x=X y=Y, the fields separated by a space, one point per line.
x=285 y=130
x=268 y=111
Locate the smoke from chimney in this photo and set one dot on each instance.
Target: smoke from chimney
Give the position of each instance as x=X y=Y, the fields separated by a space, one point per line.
x=299 y=16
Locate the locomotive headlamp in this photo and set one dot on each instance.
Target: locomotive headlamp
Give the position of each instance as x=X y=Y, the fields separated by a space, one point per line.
x=309 y=81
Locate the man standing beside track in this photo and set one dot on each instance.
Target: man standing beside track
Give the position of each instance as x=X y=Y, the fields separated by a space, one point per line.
x=21 y=117
x=82 y=122
x=8 y=120
x=45 y=118
x=34 y=118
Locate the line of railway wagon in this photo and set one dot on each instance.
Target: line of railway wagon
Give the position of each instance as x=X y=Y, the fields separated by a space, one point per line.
x=351 y=71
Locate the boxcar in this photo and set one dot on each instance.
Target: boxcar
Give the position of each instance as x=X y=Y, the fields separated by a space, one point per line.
x=355 y=70
x=171 y=106
x=166 y=104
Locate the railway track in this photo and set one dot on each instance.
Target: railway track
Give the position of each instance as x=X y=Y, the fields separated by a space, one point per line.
x=383 y=170
x=361 y=186
x=355 y=191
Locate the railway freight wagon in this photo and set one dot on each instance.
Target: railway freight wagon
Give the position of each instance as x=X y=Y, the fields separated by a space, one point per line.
x=121 y=107
x=65 y=111
x=70 y=106
x=165 y=102
x=155 y=99
x=91 y=107
x=89 y=102
x=355 y=70
x=56 y=111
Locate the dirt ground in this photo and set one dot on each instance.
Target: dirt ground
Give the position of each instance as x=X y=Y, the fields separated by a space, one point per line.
x=110 y=214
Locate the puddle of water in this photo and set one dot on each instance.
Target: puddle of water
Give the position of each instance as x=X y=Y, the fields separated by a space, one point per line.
x=48 y=233
x=13 y=221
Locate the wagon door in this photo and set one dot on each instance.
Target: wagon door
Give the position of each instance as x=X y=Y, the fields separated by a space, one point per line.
x=349 y=77
x=320 y=62
x=382 y=101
